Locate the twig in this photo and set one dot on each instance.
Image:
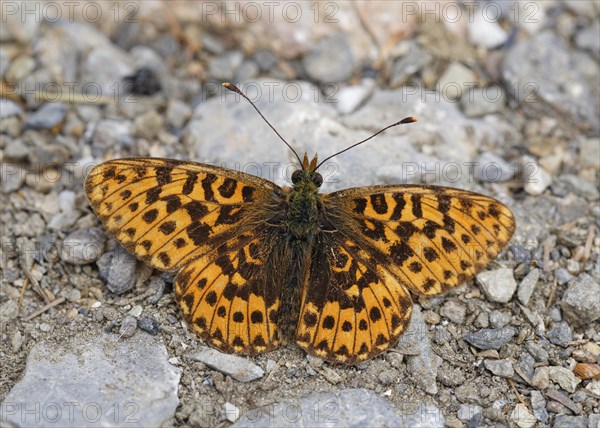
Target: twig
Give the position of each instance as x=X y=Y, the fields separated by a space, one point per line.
x=512 y=384
x=552 y=293
x=23 y=288
x=44 y=308
x=36 y=286
x=587 y=250
x=366 y=27
x=547 y=249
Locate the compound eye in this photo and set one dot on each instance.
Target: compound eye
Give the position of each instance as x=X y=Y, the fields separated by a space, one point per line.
x=317 y=179
x=296 y=175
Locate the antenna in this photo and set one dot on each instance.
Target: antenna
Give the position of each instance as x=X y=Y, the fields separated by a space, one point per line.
x=235 y=89
x=410 y=119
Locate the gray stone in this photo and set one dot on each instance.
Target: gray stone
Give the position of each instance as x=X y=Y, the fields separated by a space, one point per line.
x=241 y=369
x=149 y=325
x=128 y=327
x=104 y=69
x=423 y=367
x=466 y=412
x=502 y=368
x=581 y=301
x=112 y=134
x=178 y=113
x=478 y=102
x=348 y=407
x=564 y=377
x=9 y=108
x=47 y=116
x=20 y=67
x=412 y=62
x=499 y=319
x=491 y=338
x=120 y=275
x=581 y=187
x=13 y=177
x=527 y=285
x=544 y=66
x=456 y=81
x=246 y=71
x=563 y=276
x=589 y=152
x=454 y=310
x=4 y=65
x=538 y=405
x=331 y=60
x=560 y=334
x=224 y=67
x=264 y=59
x=83 y=246
x=81 y=381
x=525 y=366
x=349 y=98
x=537 y=351
x=564 y=421
x=498 y=285
x=484 y=32
x=538 y=180
x=492 y=168
x=589 y=38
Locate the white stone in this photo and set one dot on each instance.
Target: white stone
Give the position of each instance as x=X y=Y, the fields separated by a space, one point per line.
x=498 y=285
x=521 y=416
x=349 y=98
x=232 y=412
x=485 y=32
x=456 y=80
x=527 y=286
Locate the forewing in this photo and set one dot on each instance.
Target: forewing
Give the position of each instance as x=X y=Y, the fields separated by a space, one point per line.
x=352 y=307
x=431 y=238
x=169 y=212
x=231 y=296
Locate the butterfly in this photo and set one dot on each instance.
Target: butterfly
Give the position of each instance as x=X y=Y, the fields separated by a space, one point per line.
x=259 y=265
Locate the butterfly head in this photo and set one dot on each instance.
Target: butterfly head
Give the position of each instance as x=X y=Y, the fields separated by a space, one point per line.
x=307 y=176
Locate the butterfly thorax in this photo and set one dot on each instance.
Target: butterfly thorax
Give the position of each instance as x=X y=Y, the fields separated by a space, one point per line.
x=304 y=205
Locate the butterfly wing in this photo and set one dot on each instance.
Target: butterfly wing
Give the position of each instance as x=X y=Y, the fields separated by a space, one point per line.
x=432 y=238
x=169 y=212
x=383 y=241
x=208 y=222
x=231 y=296
x=352 y=307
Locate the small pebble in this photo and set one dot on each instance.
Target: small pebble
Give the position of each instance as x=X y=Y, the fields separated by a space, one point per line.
x=498 y=285
x=47 y=116
x=330 y=60
x=83 y=246
x=128 y=327
x=521 y=416
x=491 y=338
x=581 y=301
x=149 y=325
x=502 y=368
x=527 y=286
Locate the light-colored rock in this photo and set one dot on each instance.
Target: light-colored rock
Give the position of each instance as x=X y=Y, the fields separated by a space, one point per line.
x=239 y=368
x=527 y=286
x=498 y=285
x=99 y=382
x=521 y=416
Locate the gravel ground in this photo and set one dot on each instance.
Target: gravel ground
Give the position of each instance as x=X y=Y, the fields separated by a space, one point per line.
x=507 y=101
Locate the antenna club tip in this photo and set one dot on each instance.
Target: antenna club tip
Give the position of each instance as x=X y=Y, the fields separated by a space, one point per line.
x=410 y=119
x=231 y=87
